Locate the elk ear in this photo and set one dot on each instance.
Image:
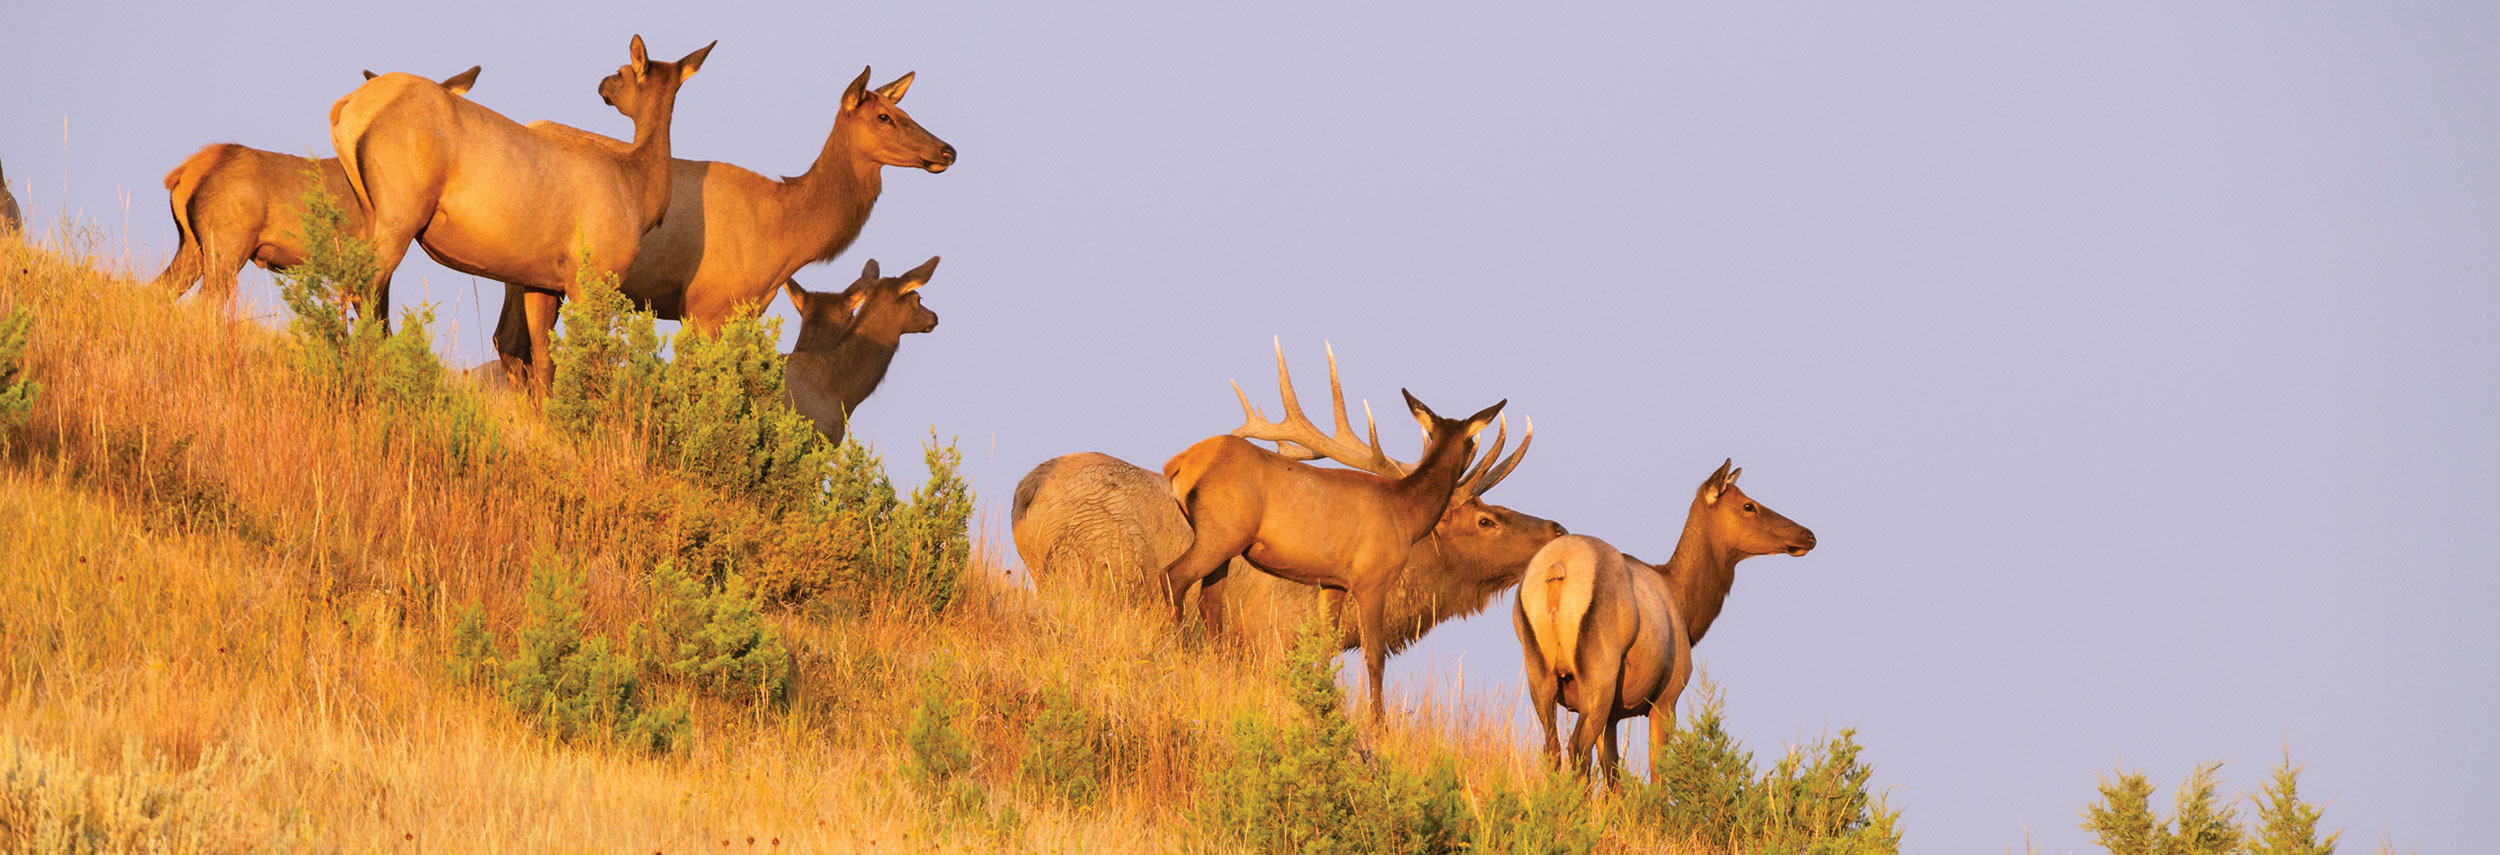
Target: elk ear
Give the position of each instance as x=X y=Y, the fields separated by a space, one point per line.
x=693 y=62
x=458 y=83
x=852 y=300
x=1423 y=414
x=1485 y=416
x=369 y=75
x=918 y=276
x=642 y=59
x=868 y=272
x=798 y=295
x=893 y=92
x=856 y=92
x=1716 y=484
x=1731 y=477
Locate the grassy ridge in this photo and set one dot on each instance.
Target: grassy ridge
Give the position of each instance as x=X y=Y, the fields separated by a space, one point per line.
x=229 y=605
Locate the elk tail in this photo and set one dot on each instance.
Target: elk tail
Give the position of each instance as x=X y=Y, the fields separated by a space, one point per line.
x=1556 y=594
x=180 y=185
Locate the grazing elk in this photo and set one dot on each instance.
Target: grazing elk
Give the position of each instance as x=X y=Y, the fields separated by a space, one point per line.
x=234 y=204
x=488 y=197
x=1612 y=638
x=847 y=340
x=1349 y=530
x=10 y=219
x=1094 y=518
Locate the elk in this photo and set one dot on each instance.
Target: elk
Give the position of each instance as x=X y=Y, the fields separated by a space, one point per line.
x=732 y=235
x=1094 y=518
x=847 y=340
x=10 y=220
x=489 y=197
x=1349 y=530
x=234 y=204
x=1612 y=637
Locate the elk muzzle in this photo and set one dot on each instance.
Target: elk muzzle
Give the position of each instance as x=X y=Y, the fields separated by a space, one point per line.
x=945 y=158
x=1802 y=545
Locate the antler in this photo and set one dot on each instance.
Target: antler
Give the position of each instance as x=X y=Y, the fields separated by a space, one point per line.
x=1487 y=473
x=1297 y=438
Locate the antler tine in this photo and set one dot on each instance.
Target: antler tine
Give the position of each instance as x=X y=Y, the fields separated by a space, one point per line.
x=1486 y=474
x=1295 y=436
x=1250 y=417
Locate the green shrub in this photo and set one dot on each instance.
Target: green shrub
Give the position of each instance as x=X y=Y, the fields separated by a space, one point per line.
x=1059 y=755
x=472 y=659
x=715 y=637
x=17 y=393
x=726 y=420
x=1301 y=786
x=2124 y=823
x=1552 y=818
x=359 y=362
x=574 y=686
x=1810 y=800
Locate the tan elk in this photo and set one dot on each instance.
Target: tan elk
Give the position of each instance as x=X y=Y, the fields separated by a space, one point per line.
x=731 y=235
x=234 y=204
x=847 y=340
x=1349 y=530
x=489 y=197
x=1096 y=519
x=1612 y=638
x=10 y=219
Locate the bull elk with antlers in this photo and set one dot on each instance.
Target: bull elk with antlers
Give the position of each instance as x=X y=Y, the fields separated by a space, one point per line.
x=1349 y=530
x=1095 y=518
x=1612 y=638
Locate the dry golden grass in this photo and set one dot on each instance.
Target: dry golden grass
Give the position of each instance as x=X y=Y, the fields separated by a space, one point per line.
x=218 y=594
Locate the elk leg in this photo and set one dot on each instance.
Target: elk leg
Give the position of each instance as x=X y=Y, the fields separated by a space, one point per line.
x=1211 y=597
x=1542 y=686
x=1373 y=621
x=541 y=306
x=512 y=337
x=1215 y=544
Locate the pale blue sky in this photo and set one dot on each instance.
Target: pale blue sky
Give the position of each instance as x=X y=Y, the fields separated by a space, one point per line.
x=2134 y=362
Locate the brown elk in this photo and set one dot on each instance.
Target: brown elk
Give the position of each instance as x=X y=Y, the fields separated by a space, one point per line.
x=234 y=204
x=1349 y=530
x=1097 y=519
x=489 y=197
x=1612 y=638
x=847 y=340
x=731 y=235
x=10 y=220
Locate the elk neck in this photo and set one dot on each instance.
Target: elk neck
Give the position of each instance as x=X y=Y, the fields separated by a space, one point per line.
x=1700 y=573
x=825 y=206
x=646 y=161
x=1424 y=494
x=846 y=362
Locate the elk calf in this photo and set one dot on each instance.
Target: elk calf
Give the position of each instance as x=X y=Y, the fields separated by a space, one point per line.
x=847 y=341
x=1612 y=638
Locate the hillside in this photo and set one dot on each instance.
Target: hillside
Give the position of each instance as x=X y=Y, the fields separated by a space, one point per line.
x=252 y=601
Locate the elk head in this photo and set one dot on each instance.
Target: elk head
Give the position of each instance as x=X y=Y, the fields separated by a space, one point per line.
x=1738 y=523
x=879 y=308
x=642 y=89
x=875 y=126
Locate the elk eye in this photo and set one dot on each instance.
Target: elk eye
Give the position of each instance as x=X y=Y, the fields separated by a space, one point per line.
x=1484 y=522
x=886 y=118
x=1749 y=507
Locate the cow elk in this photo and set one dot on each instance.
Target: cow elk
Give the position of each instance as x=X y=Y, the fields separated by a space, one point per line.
x=1612 y=638
x=732 y=235
x=488 y=197
x=1349 y=530
x=234 y=204
x=1097 y=520
x=10 y=219
x=847 y=340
